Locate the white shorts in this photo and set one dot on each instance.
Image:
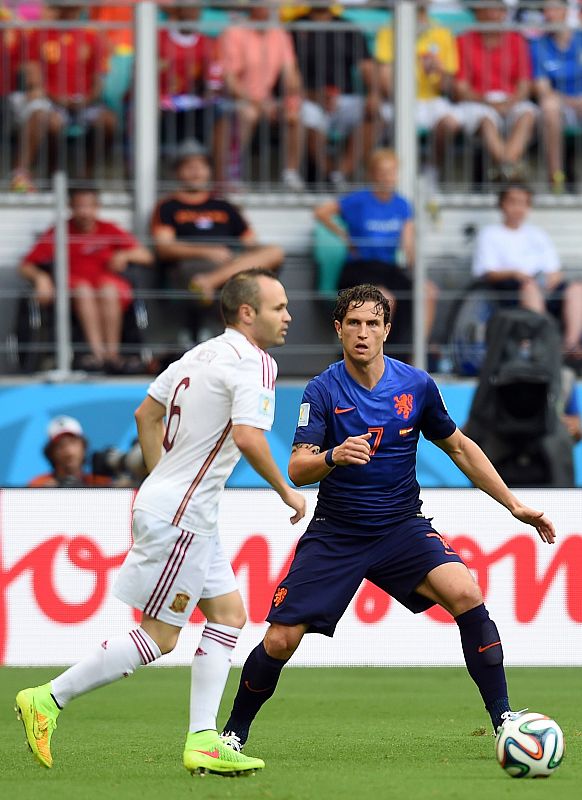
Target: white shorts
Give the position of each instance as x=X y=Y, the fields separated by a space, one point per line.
x=22 y=108
x=348 y=114
x=428 y=113
x=168 y=570
x=473 y=114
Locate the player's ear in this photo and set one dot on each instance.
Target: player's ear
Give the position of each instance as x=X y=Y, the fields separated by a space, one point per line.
x=338 y=328
x=387 y=331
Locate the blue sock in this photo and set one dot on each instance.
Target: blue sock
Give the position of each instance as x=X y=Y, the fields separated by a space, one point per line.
x=258 y=682
x=484 y=658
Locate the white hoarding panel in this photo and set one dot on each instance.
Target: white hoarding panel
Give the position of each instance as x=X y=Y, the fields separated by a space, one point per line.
x=60 y=550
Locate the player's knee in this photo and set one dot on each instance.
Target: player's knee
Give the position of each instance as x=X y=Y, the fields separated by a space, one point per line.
x=236 y=618
x=281 y=641
x=466 y=596
x=166 y=641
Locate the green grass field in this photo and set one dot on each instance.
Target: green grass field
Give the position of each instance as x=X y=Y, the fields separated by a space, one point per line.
x=401 y=734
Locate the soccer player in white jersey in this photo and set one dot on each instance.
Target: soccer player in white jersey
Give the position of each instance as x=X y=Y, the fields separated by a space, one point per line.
x=217 y=401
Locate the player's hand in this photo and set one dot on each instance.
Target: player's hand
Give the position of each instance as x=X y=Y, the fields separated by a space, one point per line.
x=296 y=501
x=538 y=520
x=355 y=450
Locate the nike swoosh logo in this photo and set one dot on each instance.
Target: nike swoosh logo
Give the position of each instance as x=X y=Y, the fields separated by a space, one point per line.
x=482 y=649
x=212 y=753
x=249 y=687
x=338 y=410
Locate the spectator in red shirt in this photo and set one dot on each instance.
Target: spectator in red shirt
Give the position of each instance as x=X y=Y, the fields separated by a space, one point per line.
x=493 y=85
x=99 y=254
x=191 y=85
x=68 y=65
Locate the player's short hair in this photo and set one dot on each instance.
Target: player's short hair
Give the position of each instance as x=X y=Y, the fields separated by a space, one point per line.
x=356 y=296
x=242 y=289
x=517 y=186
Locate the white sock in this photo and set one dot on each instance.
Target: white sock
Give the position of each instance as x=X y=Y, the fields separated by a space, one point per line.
x=210 y=668
x=114 y=659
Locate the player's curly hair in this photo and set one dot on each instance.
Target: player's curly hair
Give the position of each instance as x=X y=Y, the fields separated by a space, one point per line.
x=242 y=288
x=356 y=296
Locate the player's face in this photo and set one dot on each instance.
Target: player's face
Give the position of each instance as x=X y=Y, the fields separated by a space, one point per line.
x=68 y=454
x=362 y=333
x=84 y=210
x=272 y=319
x=194 y=174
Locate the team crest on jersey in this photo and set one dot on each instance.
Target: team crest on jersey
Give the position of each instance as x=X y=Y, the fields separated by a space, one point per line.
x=303 y=420
x=279 y=596
x=403 y=404
x=180 y=603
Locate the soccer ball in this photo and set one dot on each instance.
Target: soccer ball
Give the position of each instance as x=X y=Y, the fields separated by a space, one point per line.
x=530 y=746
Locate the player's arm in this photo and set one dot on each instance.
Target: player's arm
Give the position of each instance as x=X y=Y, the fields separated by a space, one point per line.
x=309 y=465
x=254 y=446
x=149 y=418
x=471 y=460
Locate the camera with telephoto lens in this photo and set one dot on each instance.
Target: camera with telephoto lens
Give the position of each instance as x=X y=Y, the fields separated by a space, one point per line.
x=125 y=468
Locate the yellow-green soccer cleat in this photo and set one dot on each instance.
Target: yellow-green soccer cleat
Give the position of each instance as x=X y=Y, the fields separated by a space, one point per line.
x=205 y=752
x=38 y=712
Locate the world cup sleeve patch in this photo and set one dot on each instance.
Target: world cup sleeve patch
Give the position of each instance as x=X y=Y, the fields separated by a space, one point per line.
x=266 y=405
x=303 y=420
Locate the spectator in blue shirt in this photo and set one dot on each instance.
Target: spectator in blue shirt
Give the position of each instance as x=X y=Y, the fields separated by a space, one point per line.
x=557 y=69
x=378 y=229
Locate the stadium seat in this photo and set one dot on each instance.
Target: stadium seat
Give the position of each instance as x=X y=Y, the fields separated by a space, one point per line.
x=330 y=254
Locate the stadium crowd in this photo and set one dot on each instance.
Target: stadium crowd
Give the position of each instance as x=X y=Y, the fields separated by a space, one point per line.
x=317 y=81
x=320 y=84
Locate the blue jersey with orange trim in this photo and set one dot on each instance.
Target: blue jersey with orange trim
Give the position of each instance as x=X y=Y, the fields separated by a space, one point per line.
x=404 y=403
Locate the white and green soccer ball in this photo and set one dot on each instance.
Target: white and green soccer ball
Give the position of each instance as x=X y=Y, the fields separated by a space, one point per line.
x=530 y=746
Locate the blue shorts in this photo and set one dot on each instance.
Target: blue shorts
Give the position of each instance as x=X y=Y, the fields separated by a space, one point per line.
x=329 y=566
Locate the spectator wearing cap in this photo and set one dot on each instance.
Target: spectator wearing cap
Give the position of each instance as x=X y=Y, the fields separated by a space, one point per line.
x=66 y=450
x=201 y=239
x=99 y=255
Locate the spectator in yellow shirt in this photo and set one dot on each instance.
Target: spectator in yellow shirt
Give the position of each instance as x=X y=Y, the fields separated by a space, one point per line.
x=436 y=65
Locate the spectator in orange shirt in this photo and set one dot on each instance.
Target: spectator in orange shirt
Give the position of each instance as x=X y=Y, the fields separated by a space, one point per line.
x=66 y=450
x=67 y=66
x=255 y=61
x=99 y=254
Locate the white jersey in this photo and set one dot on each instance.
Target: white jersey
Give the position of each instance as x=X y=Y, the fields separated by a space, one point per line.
x=528 y=249
x=223 y=382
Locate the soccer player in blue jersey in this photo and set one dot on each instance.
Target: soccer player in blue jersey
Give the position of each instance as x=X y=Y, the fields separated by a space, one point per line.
x=357 y=434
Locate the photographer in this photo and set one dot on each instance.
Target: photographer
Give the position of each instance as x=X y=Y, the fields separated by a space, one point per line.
x=66 y=450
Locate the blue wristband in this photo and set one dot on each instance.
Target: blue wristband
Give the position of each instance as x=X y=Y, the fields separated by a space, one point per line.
x=329 y=458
